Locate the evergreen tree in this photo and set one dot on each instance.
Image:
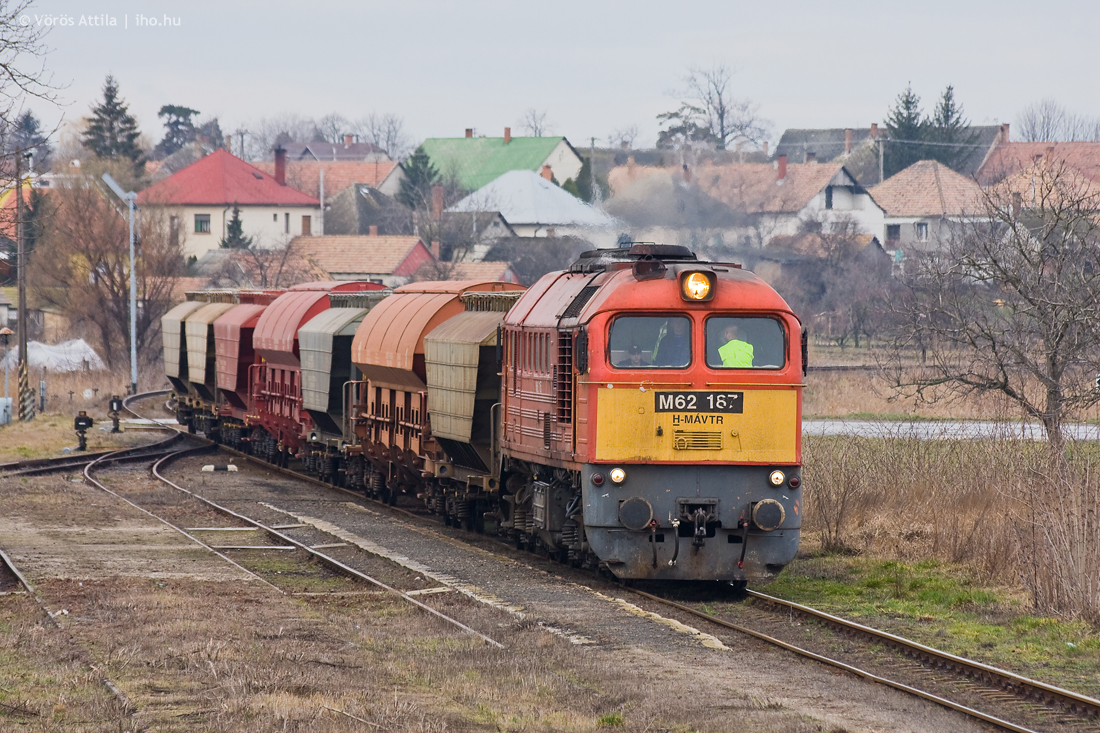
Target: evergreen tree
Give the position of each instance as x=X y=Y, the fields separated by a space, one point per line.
x=234 y=233
x=210 y=133
x=420 y=176
x=180 y=130
x=112 y=131
x=952 y=130
x=906 y=131
x=27 y=137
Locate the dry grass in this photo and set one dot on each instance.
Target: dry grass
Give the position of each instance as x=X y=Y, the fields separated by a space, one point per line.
x=194 y=655
x=996 y=506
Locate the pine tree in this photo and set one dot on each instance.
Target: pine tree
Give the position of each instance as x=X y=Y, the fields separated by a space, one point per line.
x=234 y=232
x=112 y=131
x=952 y=130
x=180 y=129
x=420 y=176
x=27 y=137
x=907 y=130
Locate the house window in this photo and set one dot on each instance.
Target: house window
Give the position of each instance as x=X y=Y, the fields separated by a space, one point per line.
x=286 y=224
x=202 y=223
x=275 y=218
x=828 y=197
x=893 y=232
x=922 y=231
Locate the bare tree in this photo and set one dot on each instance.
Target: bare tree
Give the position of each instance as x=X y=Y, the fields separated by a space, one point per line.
x=331 y=128
x=266 y=132
x=386 y=131
x=1048 y=121
x=709 y=95
x=623 y=137
x=279 y=266
x=22 y=58
x=1012 y=304
x=534 y=123
x=81 y=266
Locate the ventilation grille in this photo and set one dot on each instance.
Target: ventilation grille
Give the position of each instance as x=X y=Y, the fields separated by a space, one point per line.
x=500 y=302
x=696 y=440
x=563 y=378
x=363 y=299
x=580 y=301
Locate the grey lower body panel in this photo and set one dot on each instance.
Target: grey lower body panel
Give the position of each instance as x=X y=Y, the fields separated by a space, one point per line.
x=625 y=522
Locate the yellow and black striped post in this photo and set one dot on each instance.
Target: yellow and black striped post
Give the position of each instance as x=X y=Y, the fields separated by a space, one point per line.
x=26 y=395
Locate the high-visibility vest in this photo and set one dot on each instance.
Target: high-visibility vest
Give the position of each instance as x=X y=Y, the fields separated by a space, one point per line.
x=737 y=354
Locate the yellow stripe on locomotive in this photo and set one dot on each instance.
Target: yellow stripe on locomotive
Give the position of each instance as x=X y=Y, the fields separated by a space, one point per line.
x=733 y=425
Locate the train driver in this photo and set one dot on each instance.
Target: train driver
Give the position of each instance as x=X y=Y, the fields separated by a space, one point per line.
x=736 y=353
x=635 y=356
x=674 y=349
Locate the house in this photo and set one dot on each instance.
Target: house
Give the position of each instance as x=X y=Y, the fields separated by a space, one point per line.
x=857 y=148
x=363 y=209
x=742 y=205
x=200 y=199
x=389 y=260
x=927 y=203
x=534 y=207
x=472 y=162
x=306 y=175
x=482 y=271
x=1008 y=158
x=348 y=150
x=469 y=235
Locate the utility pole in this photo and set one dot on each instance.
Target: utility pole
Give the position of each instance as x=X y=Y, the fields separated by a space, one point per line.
x=881 y=145
x=592 y=172
x=129 y=197
x=26 y=397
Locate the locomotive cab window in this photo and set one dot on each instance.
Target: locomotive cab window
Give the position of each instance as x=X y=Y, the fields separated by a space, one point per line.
x=650 y=342
x=745 y=343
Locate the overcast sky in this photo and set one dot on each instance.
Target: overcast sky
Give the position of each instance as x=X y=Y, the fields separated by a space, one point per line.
x=592 y=66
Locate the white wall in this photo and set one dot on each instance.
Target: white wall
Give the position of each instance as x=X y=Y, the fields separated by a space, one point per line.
x=564 y=163
x=265 y=224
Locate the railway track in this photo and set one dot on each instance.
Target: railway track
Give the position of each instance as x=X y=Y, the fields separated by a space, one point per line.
x=996 y=697
x=182 y=516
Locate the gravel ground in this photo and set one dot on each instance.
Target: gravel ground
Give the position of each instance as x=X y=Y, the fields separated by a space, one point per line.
x=692 y=665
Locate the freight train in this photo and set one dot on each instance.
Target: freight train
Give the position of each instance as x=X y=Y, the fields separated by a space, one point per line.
x=639 y=411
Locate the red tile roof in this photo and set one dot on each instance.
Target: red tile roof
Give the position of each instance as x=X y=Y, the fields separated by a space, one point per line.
x=749 y=187
x=754 y=188
x=928 y=188
x=305 y=175
x=223 y=179
x=1008 y=158
x=362 y=255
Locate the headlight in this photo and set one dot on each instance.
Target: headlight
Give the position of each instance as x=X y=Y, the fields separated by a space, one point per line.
x=697 y=286
x=618 y=475
x=776 y=478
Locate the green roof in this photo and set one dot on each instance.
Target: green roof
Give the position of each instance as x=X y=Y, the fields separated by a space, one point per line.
x=476 y=161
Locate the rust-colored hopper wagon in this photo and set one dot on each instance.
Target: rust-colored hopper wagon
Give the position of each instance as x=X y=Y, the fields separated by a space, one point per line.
x=396 y=446
x=276 y=385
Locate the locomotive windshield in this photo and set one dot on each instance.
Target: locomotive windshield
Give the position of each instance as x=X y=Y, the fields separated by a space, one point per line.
x=645 y=342
x=745 y=343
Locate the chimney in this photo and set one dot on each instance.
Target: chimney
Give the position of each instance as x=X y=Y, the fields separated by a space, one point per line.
x=228 y=149
x=1004 y=133
x=781 y=167
x=374 y=230
x=547 y=173
x=847 y=141
x=280 y=165
x=437 y=203
x=765 y=147
x=550 y=232
x=1017 y=204
x=469 y=132
x=507 y=135
x=348 y=140
x=687 y=173
x=874 y=129
x=435 y=248
x=811 y=157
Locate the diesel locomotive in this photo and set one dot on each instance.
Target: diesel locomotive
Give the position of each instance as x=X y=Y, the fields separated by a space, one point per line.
x=639 y=411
